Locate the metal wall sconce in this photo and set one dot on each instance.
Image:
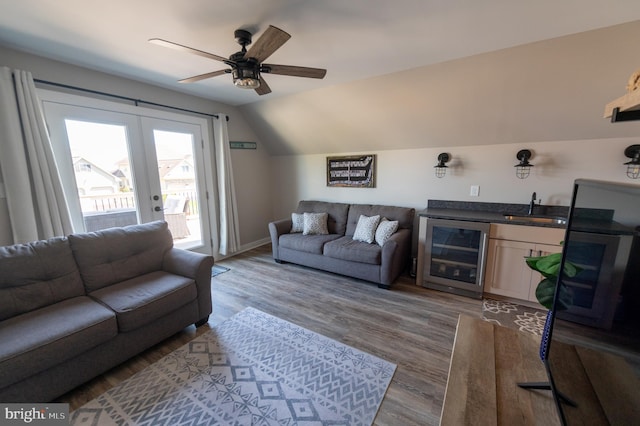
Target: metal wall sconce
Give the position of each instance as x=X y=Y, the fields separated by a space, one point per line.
x=523 y=168
x=633 y=166
x=441 y=167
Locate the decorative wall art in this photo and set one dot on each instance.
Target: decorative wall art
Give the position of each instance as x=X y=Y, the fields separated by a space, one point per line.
x=355 y=171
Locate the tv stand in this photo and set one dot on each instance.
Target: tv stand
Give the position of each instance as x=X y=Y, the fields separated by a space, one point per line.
x=547 y=386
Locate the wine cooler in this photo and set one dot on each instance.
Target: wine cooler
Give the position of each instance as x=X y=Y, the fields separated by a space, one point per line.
x=455 y=253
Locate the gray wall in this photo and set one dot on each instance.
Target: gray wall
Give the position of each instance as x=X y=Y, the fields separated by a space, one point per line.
x=547 y=96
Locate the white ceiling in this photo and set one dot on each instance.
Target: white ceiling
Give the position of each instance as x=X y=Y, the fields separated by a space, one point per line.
x=352 y=39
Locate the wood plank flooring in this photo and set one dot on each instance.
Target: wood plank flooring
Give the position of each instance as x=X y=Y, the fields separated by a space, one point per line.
x=410 y=326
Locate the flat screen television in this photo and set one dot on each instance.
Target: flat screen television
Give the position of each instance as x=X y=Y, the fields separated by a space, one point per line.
x=591 y=342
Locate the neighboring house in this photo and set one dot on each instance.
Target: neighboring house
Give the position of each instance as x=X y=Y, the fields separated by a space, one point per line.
x=91 y=179
x=177 y=175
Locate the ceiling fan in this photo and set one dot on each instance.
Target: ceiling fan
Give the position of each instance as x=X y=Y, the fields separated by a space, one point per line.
x=246 y=65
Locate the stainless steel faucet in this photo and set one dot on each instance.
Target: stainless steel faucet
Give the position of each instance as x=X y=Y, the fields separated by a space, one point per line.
x=532 y=203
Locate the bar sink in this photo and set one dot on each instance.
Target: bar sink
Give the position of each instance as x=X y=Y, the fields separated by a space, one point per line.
x=554 y=220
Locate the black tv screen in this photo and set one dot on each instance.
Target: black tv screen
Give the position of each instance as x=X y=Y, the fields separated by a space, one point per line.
x=591 y=345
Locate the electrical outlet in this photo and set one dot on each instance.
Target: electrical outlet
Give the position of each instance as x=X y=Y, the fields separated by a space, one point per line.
x=475 y=191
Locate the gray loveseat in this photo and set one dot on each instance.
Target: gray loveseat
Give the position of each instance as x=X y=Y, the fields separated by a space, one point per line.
x=73 y=307
x=337 y=251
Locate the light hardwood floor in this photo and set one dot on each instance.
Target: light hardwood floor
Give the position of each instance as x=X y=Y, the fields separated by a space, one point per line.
x=410 y=326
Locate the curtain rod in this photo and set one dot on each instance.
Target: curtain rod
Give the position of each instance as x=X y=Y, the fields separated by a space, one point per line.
x=124 y=98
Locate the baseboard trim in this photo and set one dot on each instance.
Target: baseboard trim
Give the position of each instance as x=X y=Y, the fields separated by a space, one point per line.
x=245 y=247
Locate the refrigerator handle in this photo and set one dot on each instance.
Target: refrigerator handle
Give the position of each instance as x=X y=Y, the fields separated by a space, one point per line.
x=483 y=257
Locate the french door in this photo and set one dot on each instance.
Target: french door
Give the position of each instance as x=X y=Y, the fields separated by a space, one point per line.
x=120 y=168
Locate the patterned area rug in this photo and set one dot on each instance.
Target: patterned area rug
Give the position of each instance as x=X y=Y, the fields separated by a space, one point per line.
x=253 y=369
x=515 y=316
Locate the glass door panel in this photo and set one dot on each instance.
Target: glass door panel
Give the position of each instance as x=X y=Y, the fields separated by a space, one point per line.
x=455 y=253
x=103 y=174
x=179 y=185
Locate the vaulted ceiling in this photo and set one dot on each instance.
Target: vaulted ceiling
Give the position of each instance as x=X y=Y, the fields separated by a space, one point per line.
x=400 y=74
x=354 y=40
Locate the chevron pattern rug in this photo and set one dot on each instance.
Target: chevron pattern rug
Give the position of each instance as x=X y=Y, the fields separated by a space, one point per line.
x=253 y=369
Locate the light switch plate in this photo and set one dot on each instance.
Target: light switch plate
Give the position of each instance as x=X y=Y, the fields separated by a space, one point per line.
x=475 y=191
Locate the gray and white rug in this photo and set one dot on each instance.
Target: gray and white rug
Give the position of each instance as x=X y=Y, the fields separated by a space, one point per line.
x=515 y=316
x=253 y=369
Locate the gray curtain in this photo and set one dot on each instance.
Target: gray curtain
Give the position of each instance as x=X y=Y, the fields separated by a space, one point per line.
x=35 y=200
x=228 y=216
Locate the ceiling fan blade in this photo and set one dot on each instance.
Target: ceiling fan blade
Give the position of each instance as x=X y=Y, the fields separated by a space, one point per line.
x=264 y=87
x=202 y=76
x=176 y=46
x=269 y=42
x=295 y=71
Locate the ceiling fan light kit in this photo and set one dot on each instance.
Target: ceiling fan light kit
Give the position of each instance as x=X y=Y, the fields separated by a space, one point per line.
x=246 y=65
x=246 y=74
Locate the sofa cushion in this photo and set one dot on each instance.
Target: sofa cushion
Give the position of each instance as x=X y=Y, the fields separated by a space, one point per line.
x=37 y=274
x=337 y=213
x=346 y=248
x=114 y=255
x=143 y=299
x=37 y=340
x=403 y=215
x=366 y=228
x=306 y=243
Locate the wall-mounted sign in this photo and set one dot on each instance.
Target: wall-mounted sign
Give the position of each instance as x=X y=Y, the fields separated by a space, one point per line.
x=356 y=171
x=242 y=145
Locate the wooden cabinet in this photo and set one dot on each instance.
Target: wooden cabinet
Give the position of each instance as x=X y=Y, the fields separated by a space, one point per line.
x=507 y=274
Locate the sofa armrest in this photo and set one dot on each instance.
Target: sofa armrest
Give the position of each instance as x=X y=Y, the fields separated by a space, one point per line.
x=196 y=266
x=395 y=255
x=277 y=228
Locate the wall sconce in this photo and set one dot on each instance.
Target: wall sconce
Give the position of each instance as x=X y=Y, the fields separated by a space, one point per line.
x=523 y=168
x=633 y=166
x=441 y=167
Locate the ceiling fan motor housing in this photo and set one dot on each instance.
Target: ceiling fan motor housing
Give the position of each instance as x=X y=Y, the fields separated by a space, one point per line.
x=243 y=37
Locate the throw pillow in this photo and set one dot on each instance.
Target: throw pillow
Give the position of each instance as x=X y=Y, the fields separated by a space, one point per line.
x=386 y=229
x=366 y=228
x=315 y=224
x=297 y=222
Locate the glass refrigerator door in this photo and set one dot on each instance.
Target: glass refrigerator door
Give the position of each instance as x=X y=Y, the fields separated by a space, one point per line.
x=455 y=253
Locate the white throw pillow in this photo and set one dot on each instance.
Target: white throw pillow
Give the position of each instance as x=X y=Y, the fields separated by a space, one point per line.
x=315 y=224
x=386 y=229
x=297 y=222
x=366 y=228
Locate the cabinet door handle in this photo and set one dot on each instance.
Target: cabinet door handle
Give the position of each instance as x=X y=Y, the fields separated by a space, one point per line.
x=530 y=252
x=539 y=253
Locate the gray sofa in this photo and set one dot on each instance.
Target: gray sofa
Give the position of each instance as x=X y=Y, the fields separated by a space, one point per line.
x=337 y=251
x=73 y=307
